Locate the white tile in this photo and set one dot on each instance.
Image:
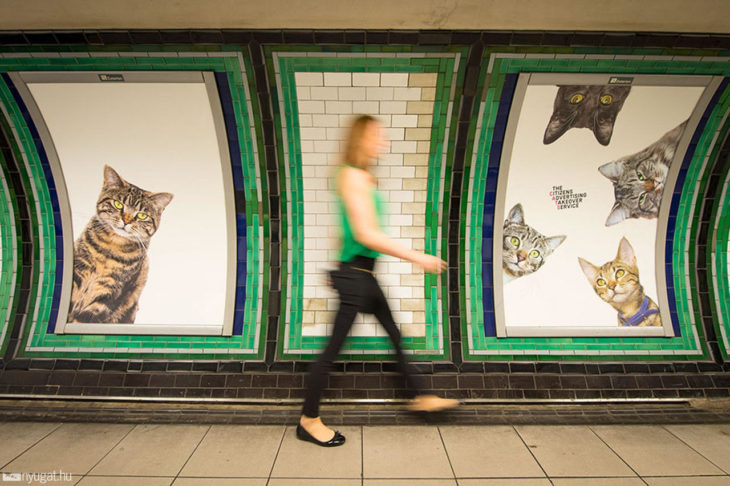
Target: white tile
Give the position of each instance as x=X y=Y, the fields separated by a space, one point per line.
x=407 y=94
x=311 y=107
x=366 y=107
x=313 y=133
x=394 y=107
x=303 y=93
x=338 y=107
x=352 y=94
x=338 y=79
x=305 y=120
x=401 y=196
x=379 y=94
x=407 y=121
x=326 y=146
x=394 y=79
x=402 y=172
x=324 y=93
x=366 y=79
x=325 y=120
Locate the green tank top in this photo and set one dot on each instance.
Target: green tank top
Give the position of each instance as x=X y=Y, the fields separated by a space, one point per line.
x=350 y=246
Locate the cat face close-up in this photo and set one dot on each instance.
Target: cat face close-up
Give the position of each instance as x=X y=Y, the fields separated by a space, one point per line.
x=524 y=249
x=130 y=211
x=639 y=179
x=591 y=106
x=615 y=281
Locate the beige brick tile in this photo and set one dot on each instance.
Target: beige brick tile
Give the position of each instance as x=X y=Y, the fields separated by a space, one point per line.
x=428 y=94
x=414 y=208
x=412 y=232
x=419 y=108
x=411 y=304
x=421 y=172
x=407 y=94
x=405 y=120
x=308 y=79
x=415 y=184
x=424 y=80
x=424 y=147
x=425 y=120
x=314 y=304
x=413 y=330
x=418 y=134
x=415 y=159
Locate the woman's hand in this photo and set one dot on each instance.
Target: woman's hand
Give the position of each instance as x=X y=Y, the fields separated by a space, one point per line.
x=429 y=263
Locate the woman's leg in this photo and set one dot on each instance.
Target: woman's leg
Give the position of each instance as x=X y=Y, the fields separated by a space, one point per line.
x=381 y=309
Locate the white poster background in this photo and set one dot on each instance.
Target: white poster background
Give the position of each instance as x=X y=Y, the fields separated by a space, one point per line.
x=559 y=294
x=161 y=138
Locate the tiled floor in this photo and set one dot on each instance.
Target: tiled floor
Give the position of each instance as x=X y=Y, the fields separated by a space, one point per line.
x=216 y=455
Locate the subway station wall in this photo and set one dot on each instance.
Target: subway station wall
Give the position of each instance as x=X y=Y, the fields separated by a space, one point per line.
x=577 y=185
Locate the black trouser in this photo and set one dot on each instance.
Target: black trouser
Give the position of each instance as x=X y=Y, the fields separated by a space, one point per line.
x=359 y=292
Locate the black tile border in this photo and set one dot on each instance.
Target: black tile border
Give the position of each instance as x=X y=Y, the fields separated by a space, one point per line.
x=272 y=379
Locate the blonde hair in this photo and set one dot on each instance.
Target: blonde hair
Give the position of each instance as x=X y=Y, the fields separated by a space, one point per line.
x=353 y=149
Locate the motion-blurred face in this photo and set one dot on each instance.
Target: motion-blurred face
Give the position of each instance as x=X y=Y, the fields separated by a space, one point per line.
x=373 y=142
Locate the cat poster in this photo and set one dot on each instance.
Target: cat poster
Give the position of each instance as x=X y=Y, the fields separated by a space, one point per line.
x=579 y=199
x=146 y=183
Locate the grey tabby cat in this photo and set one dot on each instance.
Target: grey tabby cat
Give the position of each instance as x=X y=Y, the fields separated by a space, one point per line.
x=524 y=249
x=110 y=256
x=638 y=179
x=594 y=106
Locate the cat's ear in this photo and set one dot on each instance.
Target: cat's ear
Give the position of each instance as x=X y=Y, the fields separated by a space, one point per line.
x=626 y=252
x=555 y=129
x=603 y=130
x=516 y=214
x=589 y=269
x=554 y=241
x=612 y=170
x=618 y=213
x=161 y=199
x=111 y=178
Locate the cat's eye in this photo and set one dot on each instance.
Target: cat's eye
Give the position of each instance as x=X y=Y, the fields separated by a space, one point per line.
x=620 y=273
x=640 y=175
x=606 y=99
x=600 y=282
x=118 y=204
x=642 y=198
x=576 y=98
x=515 y=241
x=534 y=254
x=141 y=216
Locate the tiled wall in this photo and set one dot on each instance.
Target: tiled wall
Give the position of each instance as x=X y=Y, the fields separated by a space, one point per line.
x=403 y=103
x=443 y=98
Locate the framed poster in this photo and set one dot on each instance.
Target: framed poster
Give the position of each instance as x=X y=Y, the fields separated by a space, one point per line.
x=142 y=170
x=584 y=194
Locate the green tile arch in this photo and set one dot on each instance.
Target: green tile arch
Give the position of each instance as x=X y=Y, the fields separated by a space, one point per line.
x=498 y=63
x=236 y=65
x=10 y=256
x=450 y=72
x=718 y=261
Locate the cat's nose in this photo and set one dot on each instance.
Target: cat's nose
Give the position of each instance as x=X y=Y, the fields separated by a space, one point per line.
x=127 y=218
x=611 y=285
x=521 y=256
x=649 y=185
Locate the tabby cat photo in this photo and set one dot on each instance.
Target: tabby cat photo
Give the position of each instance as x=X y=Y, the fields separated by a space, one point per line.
x=524 y=249
x=617 y=283
x=638 y=179
x=593 y=106
x=110 y=255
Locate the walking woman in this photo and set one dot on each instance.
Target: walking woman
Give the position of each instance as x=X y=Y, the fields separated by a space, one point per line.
x=361 y=210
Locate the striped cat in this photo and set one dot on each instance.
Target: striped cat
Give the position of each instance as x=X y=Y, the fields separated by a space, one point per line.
x=524 y=249
x=110 y=256
x=638 y=179
x=617 y=283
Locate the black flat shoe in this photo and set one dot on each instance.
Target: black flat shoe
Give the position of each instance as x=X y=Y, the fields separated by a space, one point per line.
x=335 y=441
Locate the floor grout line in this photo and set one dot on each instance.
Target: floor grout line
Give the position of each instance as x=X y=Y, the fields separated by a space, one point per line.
x=362 y=456
x=191 y=454
x=532 y=454
x=617 y=454
x=698 y=452
x=446 y=451
x=109 y=451
x=61 y=424
x=278 y=449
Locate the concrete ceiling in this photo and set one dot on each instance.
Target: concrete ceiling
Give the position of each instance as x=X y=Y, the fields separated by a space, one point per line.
x=698 y=16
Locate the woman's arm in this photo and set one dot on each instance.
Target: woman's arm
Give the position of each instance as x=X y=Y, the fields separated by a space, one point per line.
x=355 y=186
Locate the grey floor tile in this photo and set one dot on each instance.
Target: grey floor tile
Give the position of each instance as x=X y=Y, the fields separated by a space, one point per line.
x=314 y=482
x=572 y=451
x=72 y=448
x=299 y=459
x=123 y=481
x=689 y=481
x=404 y=452
x=219 y=482
x=488 y=451
x=598 y=481
x=152 y=450
x=506 y=482
x=409 y=482
x=16 y=437
x=235 y=451
x=710 y=440
x=652 y=451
